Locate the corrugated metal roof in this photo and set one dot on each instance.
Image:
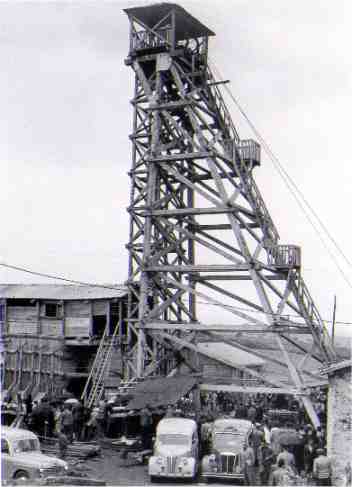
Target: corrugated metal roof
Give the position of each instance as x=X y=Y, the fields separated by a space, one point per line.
x=187 y=26
x=61 y=291
x=161 y=391
x=225 y=351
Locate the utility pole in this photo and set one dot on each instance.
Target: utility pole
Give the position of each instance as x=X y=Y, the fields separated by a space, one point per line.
x=333 y=322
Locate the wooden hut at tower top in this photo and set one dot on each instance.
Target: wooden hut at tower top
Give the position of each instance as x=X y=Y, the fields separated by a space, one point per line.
x=163 y=24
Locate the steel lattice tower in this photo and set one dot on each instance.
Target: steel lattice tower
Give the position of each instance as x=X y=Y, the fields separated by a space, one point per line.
x=199 y=228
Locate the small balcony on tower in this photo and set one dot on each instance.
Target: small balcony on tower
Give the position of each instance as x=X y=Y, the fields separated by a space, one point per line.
x=248 y=151
x=285 y=257
x=165 y=27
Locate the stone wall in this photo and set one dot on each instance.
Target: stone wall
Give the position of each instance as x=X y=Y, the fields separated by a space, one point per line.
x=339 y=433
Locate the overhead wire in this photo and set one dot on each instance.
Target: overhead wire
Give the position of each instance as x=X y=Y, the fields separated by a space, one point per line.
x=103 y=286
x=59 y=278
x=288 y=180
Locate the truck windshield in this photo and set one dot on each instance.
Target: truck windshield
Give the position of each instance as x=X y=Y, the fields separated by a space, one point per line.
x=228 y=441
x=173 y=439
x=26 y=445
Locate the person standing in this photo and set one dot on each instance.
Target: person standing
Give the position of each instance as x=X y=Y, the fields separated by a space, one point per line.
x=281 y=475
x=257 y=438
x=288 y=458
x=251 y=413
x=322 y=468
x=266 y=458
x=308 y=456
x=67 y=423
x=248 y=460
x=63 y=445
x=146 y=424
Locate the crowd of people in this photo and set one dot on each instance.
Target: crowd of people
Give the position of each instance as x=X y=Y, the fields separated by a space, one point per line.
x=268 y=460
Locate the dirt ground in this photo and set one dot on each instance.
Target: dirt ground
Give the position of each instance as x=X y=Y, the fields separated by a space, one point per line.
x=115 y=470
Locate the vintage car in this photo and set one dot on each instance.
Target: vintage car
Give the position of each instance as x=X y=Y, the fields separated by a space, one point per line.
x=228 y=436
x=21 y=457
x=176 y=449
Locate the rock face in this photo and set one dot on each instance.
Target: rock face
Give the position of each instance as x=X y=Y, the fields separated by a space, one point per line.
x=339 y=433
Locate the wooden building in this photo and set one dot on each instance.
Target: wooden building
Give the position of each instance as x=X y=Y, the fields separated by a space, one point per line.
x=50 y=333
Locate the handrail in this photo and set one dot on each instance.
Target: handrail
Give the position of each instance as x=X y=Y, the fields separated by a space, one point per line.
x=98 y=371
x=100 y=348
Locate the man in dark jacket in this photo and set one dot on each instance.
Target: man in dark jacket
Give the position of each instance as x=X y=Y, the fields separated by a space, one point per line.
x=146 y=423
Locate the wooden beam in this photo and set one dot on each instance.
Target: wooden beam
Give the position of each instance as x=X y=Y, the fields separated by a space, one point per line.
x=227 y=277
x=220 y=328
x=249 y=389
x=189 y=211
x=196 y=268
x=179 y=157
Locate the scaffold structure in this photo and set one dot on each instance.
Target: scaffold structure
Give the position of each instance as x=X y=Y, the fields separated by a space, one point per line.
x=201 y=236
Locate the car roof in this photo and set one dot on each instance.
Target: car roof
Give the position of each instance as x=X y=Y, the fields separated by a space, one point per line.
x=236 y=425
x=8 y=433
x=176 y=425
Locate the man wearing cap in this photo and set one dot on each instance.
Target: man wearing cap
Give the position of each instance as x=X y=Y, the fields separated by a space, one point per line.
x=322 y=468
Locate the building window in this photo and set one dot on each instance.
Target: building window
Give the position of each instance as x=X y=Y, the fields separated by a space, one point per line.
x=51 y=310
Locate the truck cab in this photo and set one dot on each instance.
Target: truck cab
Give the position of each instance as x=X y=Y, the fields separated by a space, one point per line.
x=176 y=449
x=228 y=437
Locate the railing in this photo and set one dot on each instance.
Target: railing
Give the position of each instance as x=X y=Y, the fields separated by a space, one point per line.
x=249 y=150
x=285 y=256
x=261 y=208
x=146 y=39
x=94 y=387
x=223 y=111
x=313 y=317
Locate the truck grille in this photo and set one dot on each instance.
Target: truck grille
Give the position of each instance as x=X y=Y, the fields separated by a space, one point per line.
x=227 y=463
x=171 y=464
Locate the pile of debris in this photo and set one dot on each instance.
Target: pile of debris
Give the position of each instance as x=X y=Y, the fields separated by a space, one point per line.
x=76 y=449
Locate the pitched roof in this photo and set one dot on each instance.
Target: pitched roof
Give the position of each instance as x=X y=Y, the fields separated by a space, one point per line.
x=161 y=391
x=225 y=351
x=61 y=291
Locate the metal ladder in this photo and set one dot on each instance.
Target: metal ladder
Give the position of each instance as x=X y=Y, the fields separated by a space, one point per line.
x=94 y=387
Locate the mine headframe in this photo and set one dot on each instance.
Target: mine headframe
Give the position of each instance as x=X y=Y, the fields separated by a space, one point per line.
x=200 y=232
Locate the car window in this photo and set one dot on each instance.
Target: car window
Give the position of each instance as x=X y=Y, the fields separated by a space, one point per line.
x=4 y=446
x=173 y=439
x=26 y=445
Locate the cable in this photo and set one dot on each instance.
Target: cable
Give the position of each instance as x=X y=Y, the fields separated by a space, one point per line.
x=266 y=313
x=283 y=173
x=89 y=284
x=60 y=278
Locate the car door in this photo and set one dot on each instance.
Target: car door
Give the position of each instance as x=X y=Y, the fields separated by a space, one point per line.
x=6 y=464
x=195 y=451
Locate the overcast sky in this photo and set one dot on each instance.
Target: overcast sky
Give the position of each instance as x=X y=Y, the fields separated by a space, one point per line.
x=65 y=118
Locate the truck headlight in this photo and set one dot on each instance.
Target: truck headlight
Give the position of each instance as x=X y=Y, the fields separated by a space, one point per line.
x=184 y=461
x=159 y=461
